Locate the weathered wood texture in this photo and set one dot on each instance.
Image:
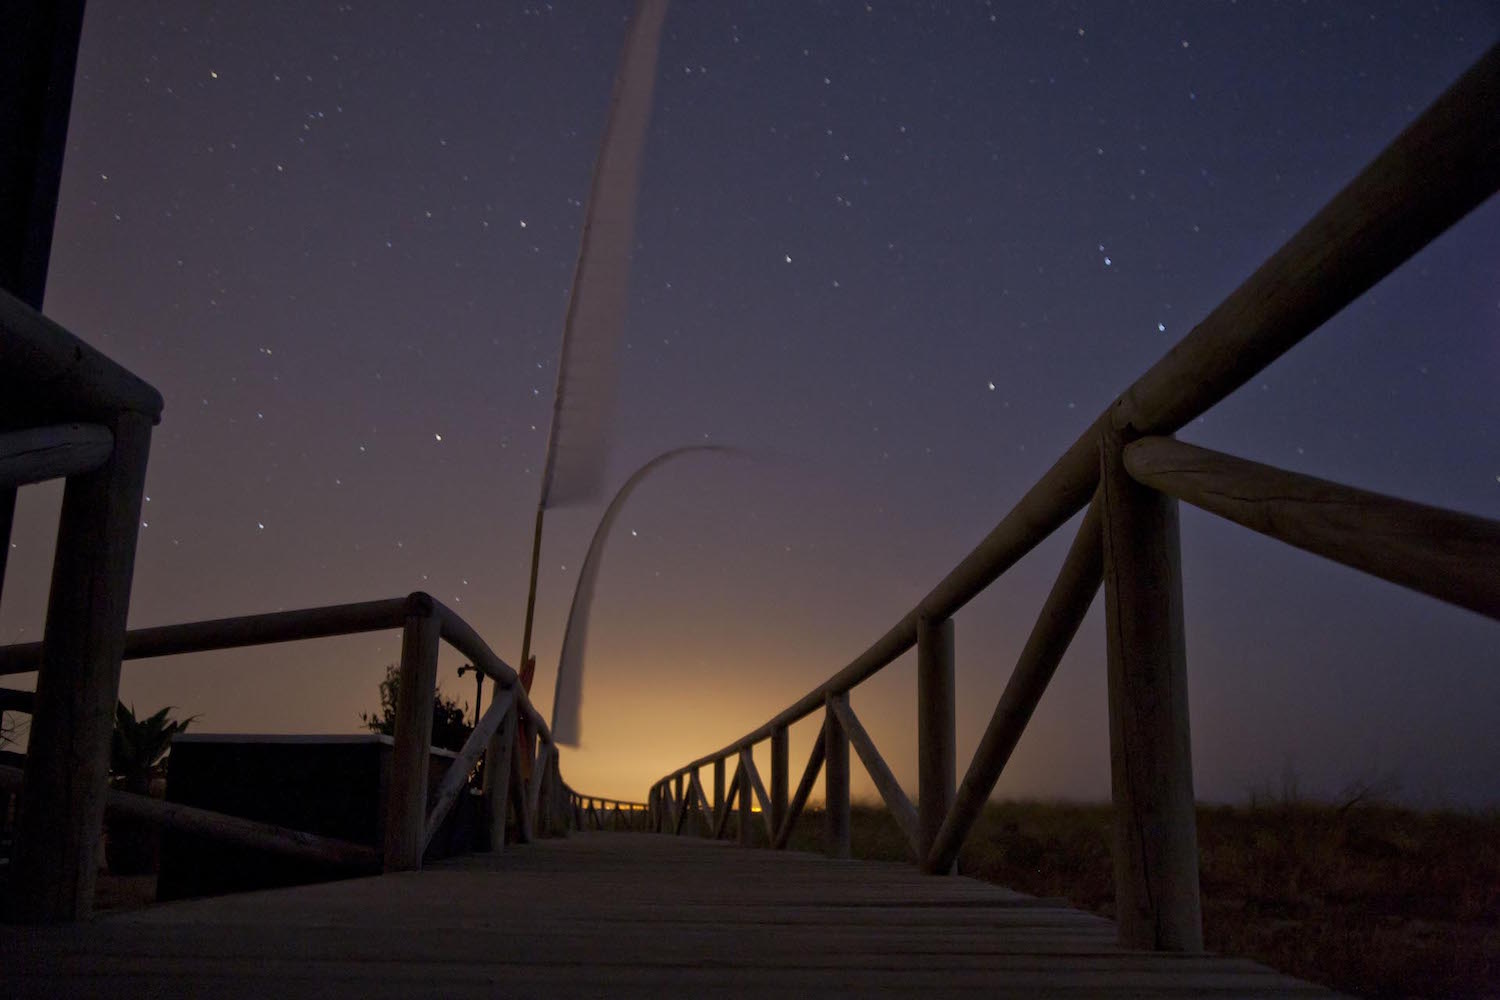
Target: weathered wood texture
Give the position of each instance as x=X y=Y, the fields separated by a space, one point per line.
x=619 y=915
x=229 y=829
x=67 y=764
x=7 y=521
x=780 y=764
x=240 y=631
x=497 y=777
x=835 y=781
x=1453 y=557
x=51 y=376
x=406 y=800
x=37 y=454
x=1156 y=835
x=937 y=755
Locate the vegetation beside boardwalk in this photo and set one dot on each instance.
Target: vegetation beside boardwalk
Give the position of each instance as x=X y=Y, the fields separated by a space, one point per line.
x=1368 y=898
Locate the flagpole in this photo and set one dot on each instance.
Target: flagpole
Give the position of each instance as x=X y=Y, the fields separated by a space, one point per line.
x=536 y=554
x=645 y=25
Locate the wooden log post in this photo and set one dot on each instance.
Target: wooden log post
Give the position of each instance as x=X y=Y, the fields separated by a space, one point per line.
x=555 y=798
x=679 y=801
x=497 y=772
x=937 y=760
x=1157 y=902
x=780 y=791
x=61 y=805
x=718 y=785
x=519 y=804
x=835 y=780
x=747 y=796
x=406 y=798
x=7 y=518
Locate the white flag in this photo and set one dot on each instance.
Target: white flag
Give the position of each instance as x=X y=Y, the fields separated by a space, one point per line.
x=583 y=405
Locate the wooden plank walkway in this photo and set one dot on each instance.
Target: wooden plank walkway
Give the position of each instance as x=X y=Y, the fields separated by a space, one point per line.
x=618 y=915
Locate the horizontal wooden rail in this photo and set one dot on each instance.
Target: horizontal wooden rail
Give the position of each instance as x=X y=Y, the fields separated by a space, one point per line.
x=234 y=633
x=50 y=376
x=1442 y=166
x=1453 y=557
x=230 y=829
x=37 y=454
x=409 y=832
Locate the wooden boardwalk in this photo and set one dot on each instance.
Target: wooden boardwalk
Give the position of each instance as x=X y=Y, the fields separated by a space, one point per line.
x=616 y=914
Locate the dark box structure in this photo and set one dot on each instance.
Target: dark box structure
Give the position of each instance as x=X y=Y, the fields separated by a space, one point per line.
x=329 y=785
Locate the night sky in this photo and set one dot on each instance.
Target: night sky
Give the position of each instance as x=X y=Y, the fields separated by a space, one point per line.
x=901 y=254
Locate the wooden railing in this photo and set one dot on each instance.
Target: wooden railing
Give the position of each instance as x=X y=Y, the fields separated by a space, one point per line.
x=68 y=412
x=414 y=812
x=592 y=813
x=1129 y=473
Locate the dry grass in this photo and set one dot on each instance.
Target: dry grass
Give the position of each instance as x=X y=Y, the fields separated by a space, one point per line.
x=1370 y=899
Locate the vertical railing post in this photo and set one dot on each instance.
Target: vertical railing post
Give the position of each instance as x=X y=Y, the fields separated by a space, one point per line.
x=718 y=788
x=1157 y=903
x=747 y=821
x=7 y=518
x=497 y=757
x=61 y=805
x=497 y=776
x=937 y=761
x=406 y=797
x=835 y=782
x=779 y=765
x=679 y=803
x=520 y=798
x=555 y=794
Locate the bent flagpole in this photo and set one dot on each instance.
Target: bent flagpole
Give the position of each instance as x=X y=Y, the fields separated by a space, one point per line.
x=567 y=700
x=583 y=404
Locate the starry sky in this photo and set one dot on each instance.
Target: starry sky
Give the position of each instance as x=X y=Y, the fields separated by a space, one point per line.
x=901 y=254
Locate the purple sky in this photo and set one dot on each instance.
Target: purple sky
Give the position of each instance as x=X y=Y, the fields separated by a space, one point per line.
x=902 y=252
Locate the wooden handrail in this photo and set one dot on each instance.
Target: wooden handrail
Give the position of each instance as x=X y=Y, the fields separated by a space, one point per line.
x=1441 y=167
x=37 y=454
x=236 y=632
x=51 y=376
x=1453 y=557
x=221 y=826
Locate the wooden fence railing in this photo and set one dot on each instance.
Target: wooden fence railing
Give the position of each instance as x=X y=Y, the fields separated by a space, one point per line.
x=68 y=412
x=414 y=812
x=1129 y=473
x=592 y=813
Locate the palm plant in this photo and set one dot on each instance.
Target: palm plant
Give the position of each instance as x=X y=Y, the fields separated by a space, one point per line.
x=139 y=746
x=136 y=753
